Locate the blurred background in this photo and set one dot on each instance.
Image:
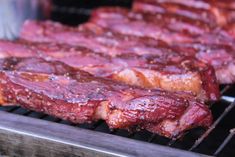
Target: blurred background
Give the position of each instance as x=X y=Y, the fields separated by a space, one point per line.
x=72 y=12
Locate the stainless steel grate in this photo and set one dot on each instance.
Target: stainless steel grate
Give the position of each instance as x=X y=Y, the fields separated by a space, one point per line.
x=218 y=140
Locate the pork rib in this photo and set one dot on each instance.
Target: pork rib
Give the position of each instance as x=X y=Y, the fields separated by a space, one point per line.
x=88 y=35
x=222 y=58
x=168 y=71
x=165 y=20
x=103 y=40
x=210 y=12
x=137 y=27
x=210 y=47
x=59 y=90
x=127 y=22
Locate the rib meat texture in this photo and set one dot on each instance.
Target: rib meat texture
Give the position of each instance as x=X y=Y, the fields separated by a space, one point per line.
x=103 y=40
x=168 y=71
x=173 y=22
x=215 y=48
x=212 y=12
x=88 y=35
x=196 y=17
x=59 y=90
x=170 y=30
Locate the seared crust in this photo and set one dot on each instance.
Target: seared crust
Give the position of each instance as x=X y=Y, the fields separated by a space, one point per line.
x=59 y=90
x=168 y=71
x=213 y=13
x=208 y=44
x=162 y=68
x=168 y=28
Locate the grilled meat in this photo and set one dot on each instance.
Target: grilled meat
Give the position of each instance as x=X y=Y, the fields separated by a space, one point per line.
x=172 y=22
x=230 y=29
x=195 y=17
x=56 y=89
x=103 y=40
x=222 y=58
x=210 y=12
x=170 y=31
x=169 y=71
x=88 y=35
x=137 y=27
x=208 y=47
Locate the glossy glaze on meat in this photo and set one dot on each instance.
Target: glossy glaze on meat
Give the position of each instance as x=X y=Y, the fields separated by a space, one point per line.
x=105 y=41
x=195 y=17
x=172 y=22
x=70 y=94
x=124 y=25
x=88 y=35
x=170 y=31
x=221 y=57
x=208 y=47
x=211 y=12
x=169 y=71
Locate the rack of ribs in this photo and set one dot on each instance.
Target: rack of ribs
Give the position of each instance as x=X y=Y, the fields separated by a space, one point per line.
x=173 y=22
x=209 y=47
x=217 y=15
x=88 y=35
x=207 y=11
x=137 y=27
x=222 y=58
x=59 y=90
x=170 y=31
x=168 y=71
x=105 y=41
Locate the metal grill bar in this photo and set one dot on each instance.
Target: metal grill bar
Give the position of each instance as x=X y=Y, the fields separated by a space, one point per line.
x=151 y=137
x=43 y=116
x=226 y=98
x=85 y=11
x=71 y=141
x=228 y=138
x=13 y=108
x=27 y=113
x=226 y=88
x=199 y=141
x=130 y=135
x=71 y=10
x=95 y=125
x=171 y=142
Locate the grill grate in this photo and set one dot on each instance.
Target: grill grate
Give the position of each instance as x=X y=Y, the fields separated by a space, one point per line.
x=216 y=141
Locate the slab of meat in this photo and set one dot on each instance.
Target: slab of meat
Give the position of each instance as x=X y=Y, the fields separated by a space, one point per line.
x=103 y=40
x=126 y=28
x=222 y=58
x=191 y=16
x=211 y=12
x=137 y=27
x=210 y=46
x=172 y=22
x=88 y=35
x=169 y=71
x=171 y=32
x=64 y=92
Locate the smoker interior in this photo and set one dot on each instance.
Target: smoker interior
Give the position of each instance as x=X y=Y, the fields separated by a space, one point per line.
x=216 y=141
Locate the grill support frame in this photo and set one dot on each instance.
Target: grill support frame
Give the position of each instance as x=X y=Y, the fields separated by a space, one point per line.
x=26 y=136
